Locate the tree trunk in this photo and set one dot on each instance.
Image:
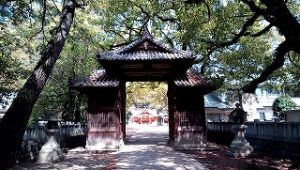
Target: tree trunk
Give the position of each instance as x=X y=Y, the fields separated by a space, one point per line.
x=278 y=14
x=14 y=122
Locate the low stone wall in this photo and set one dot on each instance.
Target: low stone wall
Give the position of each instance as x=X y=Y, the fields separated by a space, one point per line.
x=280 y=139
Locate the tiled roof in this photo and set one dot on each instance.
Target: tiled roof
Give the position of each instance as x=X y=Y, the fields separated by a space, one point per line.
x=99 y=78
x=143 y=55
x=191 y=79
x=145 y=48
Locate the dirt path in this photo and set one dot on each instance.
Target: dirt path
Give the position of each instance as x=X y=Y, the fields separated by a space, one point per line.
x=146 y=148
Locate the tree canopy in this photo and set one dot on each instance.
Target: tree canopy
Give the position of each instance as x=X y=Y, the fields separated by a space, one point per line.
x=238 y=42
x=235 y=41
x=152 y=94
x=283 y=103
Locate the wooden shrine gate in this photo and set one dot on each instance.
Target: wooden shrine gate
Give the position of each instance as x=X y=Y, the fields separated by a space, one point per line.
x=144 y=60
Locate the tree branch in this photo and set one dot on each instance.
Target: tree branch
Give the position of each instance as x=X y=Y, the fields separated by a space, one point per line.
x=205 y=62
x=278 y=62
x=243 y=32
x=253 y=7
x=292 y=60
x=266 y=29
x=29 y=39
x=208 y=10
x=169 y=40
x=118 y=45
x=118 y=33
x=44 y=19
x=148 y=16
x=234 y=40
x=198 y=2
x=166 y=19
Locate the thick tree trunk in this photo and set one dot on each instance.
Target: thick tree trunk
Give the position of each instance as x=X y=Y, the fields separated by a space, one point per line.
x=278 y=15
x=276 y=64
x=13 y=125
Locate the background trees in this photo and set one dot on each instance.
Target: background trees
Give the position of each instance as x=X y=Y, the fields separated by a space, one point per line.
x=283 y=103
x=152 y=94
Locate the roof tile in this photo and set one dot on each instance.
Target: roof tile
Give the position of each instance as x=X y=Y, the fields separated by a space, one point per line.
x=191 y=79
x=99 y=78
x=145 y=48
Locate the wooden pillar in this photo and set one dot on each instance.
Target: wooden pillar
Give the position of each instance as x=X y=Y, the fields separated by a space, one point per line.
x=103 y=120
x=123 y=106
x=171 y=105
x=189 y=119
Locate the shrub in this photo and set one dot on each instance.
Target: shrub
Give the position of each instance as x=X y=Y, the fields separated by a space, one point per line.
x=283 y=103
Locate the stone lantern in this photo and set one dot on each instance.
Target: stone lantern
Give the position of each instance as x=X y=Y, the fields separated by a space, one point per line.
x=51 y=151
x=239 y=147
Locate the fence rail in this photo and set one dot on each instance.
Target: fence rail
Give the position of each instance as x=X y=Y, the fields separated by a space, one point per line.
x=36 y=136
x=280 y=139
x=271 y=130
x=280 y=130
x=39 y=132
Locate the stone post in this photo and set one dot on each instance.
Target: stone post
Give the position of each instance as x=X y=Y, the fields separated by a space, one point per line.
x=239 y=147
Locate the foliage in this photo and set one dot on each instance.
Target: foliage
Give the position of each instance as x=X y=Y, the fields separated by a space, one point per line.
x=77 y=60
x=103 y=25
x=210 y=32
x=283 y=103
x=152 y=94
x=286 y=79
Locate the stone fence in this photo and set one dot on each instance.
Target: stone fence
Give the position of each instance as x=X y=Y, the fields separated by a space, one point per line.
x=70 y=135
x=276 y=138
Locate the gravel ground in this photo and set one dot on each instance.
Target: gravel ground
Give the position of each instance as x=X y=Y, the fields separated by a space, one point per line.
x=217 y=160
x=76 y=159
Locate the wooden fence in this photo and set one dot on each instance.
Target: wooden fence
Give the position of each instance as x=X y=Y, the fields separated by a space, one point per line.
x=269 y=130
x=274 y=130
x=277 y=138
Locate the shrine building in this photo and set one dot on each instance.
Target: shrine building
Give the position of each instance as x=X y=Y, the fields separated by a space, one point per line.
x=144 y=60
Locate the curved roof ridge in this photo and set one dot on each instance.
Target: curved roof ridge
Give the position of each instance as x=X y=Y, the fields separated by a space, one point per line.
x=192 y=79
x=98 y=78
x=134 y=47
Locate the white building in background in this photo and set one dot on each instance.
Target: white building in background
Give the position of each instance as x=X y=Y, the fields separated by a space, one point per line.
x=215 y=109
x=259 y=106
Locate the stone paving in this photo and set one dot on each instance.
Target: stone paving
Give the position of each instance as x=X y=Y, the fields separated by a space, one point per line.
x=145 y=148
